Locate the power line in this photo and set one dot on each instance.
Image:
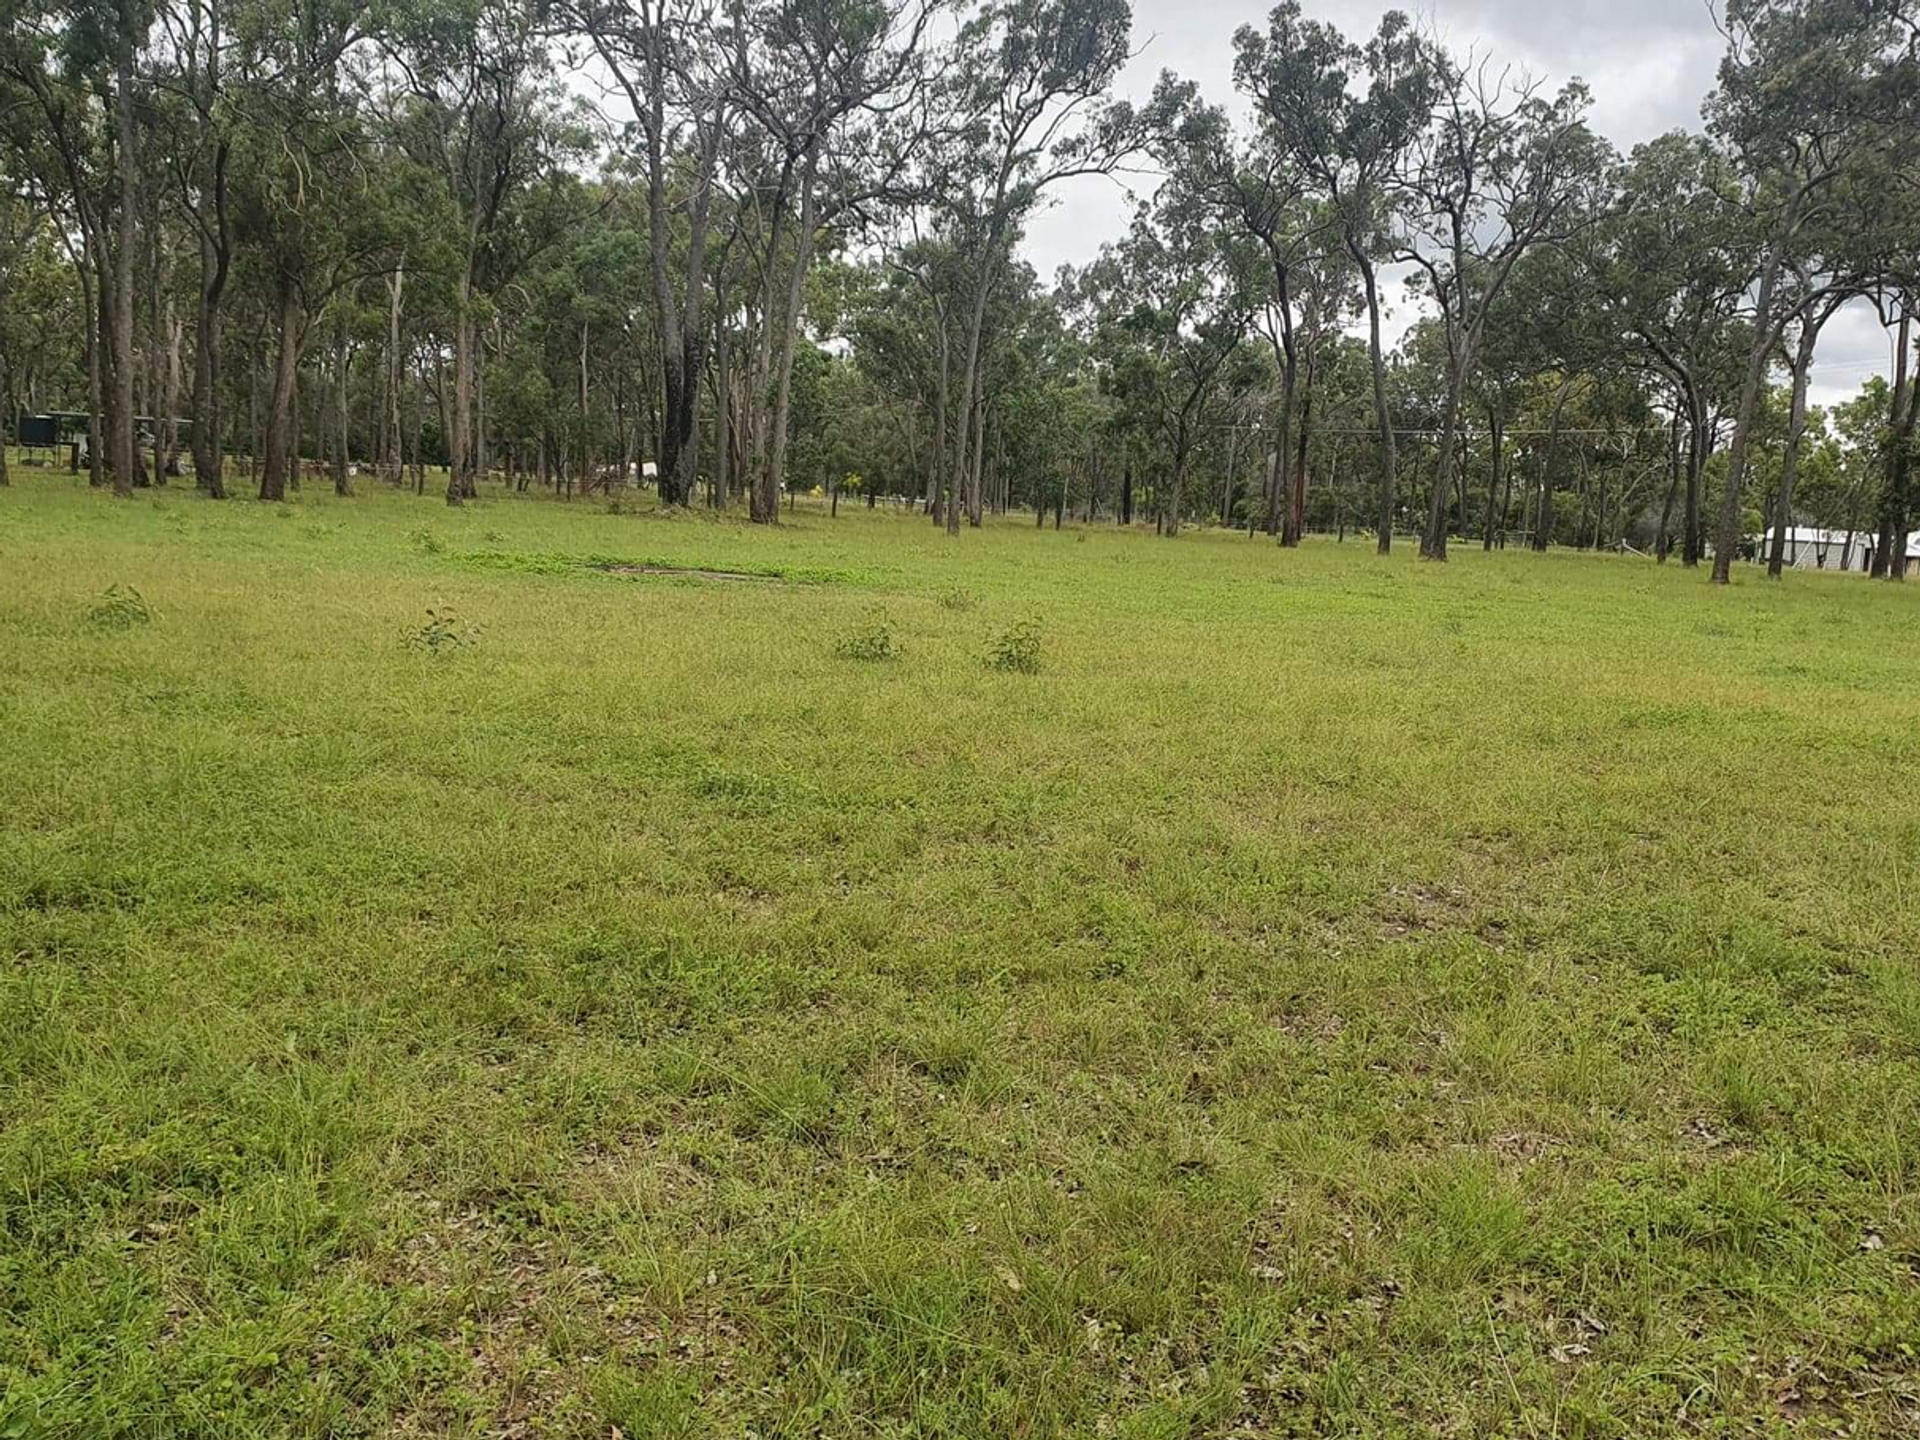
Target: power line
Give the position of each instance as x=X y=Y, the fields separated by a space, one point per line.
x=1370 y=432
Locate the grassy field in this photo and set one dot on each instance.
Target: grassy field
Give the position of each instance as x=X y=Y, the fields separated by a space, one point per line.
x=1329 y=996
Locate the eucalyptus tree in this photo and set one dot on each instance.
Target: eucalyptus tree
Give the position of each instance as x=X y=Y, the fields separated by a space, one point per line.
x=1259 y=190
x=1510 y=357
x=1030 y=87
x=1870 y=431
x=669 y=59
x=1557 y=343
x=1897 y=447
x=481 y=116
x=73 y=70
x=896 y=314
x=309 y=201
x=1842 y=498
x=1809 y=92
x=1859 y=243
x=197 y=114
x=843 y=95
x=1304 y=79
x=1499 y=170
x=901 y=326
x=41 y=315
x=578 y=304
x=1670 y=269
x=1172 y=303
x=22 y=228
x=1808 y=321
x=1892 y=184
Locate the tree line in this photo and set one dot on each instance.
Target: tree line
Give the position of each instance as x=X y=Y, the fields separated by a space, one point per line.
x=750 y=249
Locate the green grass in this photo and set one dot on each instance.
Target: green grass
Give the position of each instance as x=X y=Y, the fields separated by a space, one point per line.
x=1327 y=996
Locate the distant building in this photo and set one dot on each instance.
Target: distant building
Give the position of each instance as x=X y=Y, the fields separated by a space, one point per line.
x=1849 y=550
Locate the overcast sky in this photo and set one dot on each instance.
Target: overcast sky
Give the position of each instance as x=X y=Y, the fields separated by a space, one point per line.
x=1649 y=63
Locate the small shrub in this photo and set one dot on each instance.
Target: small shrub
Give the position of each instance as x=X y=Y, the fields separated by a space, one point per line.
x=443 y=632
x=426 y=542
x=120 y=607
x=874 y=640
x=1017 y=648
x=958 y=598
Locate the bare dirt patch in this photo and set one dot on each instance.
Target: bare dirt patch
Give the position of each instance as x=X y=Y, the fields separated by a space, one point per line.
x=693 y=571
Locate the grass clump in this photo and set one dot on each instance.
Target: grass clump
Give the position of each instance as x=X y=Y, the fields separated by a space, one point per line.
x=120 y=607
x=1017 y=648
x=441 y=633
x=872 y=640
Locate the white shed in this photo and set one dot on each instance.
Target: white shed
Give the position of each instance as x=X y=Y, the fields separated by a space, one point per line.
x=1850 y=550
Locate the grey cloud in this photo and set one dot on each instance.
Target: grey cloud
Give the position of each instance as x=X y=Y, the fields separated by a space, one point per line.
x=1649 y=63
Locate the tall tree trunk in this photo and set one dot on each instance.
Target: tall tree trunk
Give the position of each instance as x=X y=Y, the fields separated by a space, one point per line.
x=7 y=409
x=1339 y=507
x=1727 y=533
x=1297 y=511
x=766 y=507
x=159 y=399
x=1890 y=554
x=1434 y=545
x=970 y=363
x=586 y=441
x=681 y=325
x=296 y=429
x=208 y=461
x=937 y=452
x=280 y=412
x=417 y=430
x=1693 y=547
x=1550 y=464
x=1790 y=458
x=460 y=405
x=1279 y=501
x=255 y=356
x=121 y=419
x=96 y=383
x=1663 y=537
x=978 y=453
x=1226 y=493
x=1506 y=503
x=722 y=397
x=396 y=374
x=482 y=465
x=168 y=461
x=1497 y=435
x=1381 y=415
x=1176 y=500
x=342 y=482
